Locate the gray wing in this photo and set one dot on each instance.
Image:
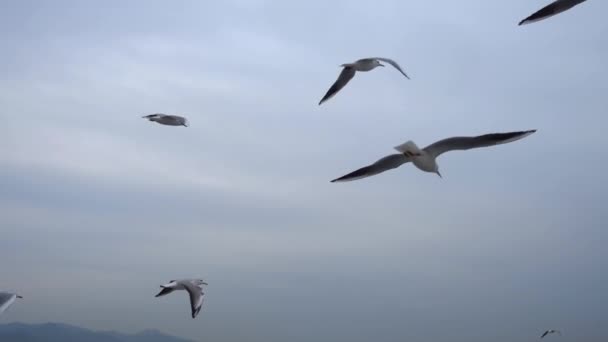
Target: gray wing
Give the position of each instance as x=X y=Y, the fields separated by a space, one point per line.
x=394 y=64
x=389 y=162
x=6 y=300
x=346 y=75
x=550 y=10
x=465 y=143
x=196 y=296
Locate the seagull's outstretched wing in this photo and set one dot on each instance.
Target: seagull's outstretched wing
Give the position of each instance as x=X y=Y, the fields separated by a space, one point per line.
x=6 y=300
x=387 y=163
x=545 y=334
x=550 y=10
x=393 y=63
x=465 y=143
x=346 y=75
x=164 y=291
x=196 y=296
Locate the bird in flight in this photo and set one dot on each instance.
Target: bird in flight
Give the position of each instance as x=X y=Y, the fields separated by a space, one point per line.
x=551 y=332
x=349 y=70
x=194 y=287
x=169 y=120
x=426 y=159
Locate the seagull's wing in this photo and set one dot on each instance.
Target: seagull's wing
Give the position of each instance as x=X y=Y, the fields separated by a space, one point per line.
x=393 y=63
x=550 y=10
x=196 y=296
x=387 y=163
x=165 y=291
x=465 y=143
x=6 y=300
x=346 y=75
x=545 y=334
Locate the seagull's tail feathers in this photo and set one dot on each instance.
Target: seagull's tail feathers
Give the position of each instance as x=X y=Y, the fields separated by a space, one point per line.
x=409 y=148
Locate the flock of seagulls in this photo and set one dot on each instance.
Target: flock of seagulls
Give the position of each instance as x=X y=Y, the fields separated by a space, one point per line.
x=424 y=159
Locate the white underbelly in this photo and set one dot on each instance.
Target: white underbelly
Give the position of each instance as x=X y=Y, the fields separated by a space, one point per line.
x=425 y=163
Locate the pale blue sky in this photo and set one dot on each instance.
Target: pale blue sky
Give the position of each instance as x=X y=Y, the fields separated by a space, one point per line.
x=98 y=207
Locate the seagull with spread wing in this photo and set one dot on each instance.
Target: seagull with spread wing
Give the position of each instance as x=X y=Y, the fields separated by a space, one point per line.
x=552 y=331
x=349 y=70
x=194 y=287
x=426 y=159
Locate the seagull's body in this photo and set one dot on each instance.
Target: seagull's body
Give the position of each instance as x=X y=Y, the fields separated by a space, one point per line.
x=6 y=300
x=550 y=10
x=426 y=159
x=349 y=70
x=194 y=288
x=552 y=331
x=169 y=120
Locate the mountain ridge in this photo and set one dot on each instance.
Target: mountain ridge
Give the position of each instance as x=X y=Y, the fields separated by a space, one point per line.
x=59 y=332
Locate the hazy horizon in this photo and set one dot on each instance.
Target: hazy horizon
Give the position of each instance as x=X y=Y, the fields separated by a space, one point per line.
x=99 y=207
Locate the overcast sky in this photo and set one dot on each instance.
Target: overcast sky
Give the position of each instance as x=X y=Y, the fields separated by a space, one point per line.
x=98 y=207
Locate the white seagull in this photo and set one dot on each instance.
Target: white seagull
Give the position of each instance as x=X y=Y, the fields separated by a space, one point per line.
x=426 y=159
x=365 y=64
x=169 y=120
x=551 y=332
x=556 y=7
x=6 y=300
x=194 y=288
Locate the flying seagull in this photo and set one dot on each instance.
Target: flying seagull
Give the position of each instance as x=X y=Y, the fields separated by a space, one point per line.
x=6 y=300
x=169 y=120
x=365 y=64
x=194 y=288
x=551 y=332
x=426 y=159
x=556 y=7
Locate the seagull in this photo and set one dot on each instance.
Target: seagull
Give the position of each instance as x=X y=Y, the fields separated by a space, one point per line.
x=425 y=159
x=551 y=332
x=556 y=7
x=365 y=64
x=6 y=300
x=194 y=288
x=170 y=120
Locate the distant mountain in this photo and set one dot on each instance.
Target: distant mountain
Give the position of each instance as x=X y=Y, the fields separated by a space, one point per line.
x=54 y=332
